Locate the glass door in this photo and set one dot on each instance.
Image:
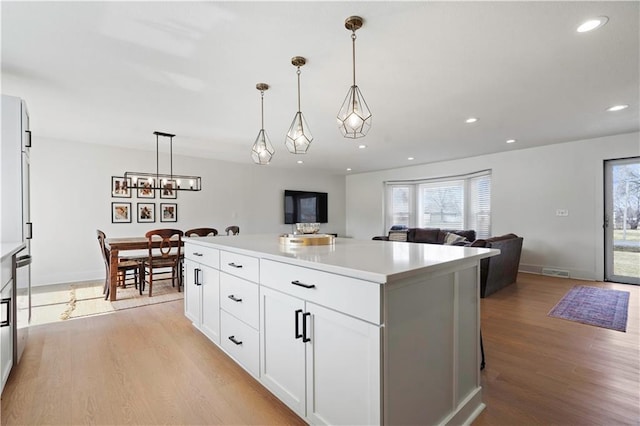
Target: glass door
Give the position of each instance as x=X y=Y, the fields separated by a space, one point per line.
x=622 y=220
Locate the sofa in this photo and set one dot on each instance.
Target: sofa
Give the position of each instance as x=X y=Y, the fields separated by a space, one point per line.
x=499 y=271
x=496 y=272
x=430 y=236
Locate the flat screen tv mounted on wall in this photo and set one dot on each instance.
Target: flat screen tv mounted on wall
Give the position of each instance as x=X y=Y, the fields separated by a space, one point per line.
x=305 y=207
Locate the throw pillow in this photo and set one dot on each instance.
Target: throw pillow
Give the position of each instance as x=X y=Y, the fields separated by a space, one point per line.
x=452 y=238
x=397 y=235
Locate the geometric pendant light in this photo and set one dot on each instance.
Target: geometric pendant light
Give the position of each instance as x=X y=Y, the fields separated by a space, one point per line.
x=299 y=136
x=354 y=117
x=262 y=150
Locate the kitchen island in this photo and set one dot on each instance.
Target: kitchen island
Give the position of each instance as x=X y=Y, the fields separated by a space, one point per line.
x=356 y=332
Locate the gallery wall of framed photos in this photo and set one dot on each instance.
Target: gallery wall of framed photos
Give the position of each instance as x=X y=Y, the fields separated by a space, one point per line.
x=143 y=210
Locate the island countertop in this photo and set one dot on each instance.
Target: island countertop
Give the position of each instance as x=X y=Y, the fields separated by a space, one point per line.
x=375 y=261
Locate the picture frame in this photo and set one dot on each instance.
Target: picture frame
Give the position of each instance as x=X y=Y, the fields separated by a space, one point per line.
x=146 y=212
x=168 y=212
x=120 y=187
x=120 y=212
x=145 y=188
x=169 y=190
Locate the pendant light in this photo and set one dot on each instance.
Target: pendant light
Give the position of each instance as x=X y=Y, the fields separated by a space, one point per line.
x=299 y=136
x=262 y=151
x=354 y=118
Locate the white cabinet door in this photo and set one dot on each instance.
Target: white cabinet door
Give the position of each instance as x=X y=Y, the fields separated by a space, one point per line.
x=202 y=298
x=210 y=308
x=192 y=292
x=282 y=357
x=343 y=369
x=6 y=333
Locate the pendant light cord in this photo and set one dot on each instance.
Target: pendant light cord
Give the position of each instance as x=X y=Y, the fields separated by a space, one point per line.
x=298 y=72
x=262 y=109
x=353 y=39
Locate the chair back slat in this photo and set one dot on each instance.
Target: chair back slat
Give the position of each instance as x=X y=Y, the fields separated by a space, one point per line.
x=168 y=241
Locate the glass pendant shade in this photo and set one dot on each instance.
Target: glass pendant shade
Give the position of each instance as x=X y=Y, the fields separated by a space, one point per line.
x=354 y=118
x=298 y=137
x=262 y=150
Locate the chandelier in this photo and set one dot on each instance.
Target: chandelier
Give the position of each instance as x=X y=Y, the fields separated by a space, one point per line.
x=164 y=181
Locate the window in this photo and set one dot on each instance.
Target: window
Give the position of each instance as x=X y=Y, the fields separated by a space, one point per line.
x=456 y=202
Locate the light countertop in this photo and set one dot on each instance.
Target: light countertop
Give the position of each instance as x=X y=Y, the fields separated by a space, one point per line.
x=376 y=261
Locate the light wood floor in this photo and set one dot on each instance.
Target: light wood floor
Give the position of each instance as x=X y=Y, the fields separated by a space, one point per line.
x=150 y=366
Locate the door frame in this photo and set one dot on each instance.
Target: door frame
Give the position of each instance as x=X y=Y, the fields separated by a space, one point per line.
x=608 y=225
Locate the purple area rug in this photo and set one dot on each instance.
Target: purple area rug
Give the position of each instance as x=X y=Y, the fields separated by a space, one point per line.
x=601 y=307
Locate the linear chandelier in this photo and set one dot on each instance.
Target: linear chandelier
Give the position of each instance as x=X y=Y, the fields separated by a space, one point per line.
x=354 y=117
x=164 y=181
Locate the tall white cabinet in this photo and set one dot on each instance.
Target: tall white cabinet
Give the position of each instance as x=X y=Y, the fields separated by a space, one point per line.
x=363 y=332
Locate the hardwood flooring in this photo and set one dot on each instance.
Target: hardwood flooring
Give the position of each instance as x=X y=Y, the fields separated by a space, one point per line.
x=150 y=366
x=543 y=370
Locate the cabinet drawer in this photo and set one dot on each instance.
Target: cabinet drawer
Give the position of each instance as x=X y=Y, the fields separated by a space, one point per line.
x=245 y=349
x=239 y=265
x=351 y=296
x=205 y=255
x=240 y=298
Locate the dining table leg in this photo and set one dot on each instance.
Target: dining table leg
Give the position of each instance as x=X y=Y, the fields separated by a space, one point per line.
x=113 y=274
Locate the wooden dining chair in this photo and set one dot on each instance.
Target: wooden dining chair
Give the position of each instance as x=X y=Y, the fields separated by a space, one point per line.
x=234 y=230
x=165 y=259
x=201 y=232
x=125 y=265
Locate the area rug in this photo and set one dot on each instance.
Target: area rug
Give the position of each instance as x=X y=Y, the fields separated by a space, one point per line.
x=69 y=301
x=596 y=306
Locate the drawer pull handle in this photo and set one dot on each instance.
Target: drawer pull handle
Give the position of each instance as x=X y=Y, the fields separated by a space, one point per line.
x=7 y=322
x=234 y=298
x=233 y=265
x=298 y=283
x=233 y=339
x=305 y=338
x=197 y=254
x=298 y=334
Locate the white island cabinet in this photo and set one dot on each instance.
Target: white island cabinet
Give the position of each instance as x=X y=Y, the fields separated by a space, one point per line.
x=359 y=332
x=202 y=289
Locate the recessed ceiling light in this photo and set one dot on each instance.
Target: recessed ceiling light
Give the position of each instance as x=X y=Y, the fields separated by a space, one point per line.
x=348 y=169
x=362 y=146
x=471 y=120
x=592 y=24
x=410 y=158
x=617 y=108
x=511 y=140
x=300 y=162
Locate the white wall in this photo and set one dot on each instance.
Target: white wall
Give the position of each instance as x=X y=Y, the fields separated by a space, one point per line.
x=528 y=185
x=71 y=198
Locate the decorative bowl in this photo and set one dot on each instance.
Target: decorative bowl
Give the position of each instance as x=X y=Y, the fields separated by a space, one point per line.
x=307 y=228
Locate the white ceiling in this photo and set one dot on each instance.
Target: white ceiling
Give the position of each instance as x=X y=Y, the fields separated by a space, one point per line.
x=115 y=72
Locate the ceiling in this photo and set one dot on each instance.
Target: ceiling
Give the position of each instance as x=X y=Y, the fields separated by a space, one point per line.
x=114 y=72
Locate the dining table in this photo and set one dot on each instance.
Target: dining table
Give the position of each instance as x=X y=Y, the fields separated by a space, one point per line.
x=120 y=244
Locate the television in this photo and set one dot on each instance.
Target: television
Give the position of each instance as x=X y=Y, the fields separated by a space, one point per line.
x=305 y=207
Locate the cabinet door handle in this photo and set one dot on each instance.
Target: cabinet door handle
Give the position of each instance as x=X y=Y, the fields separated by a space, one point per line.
x=298 y=283
x=27 y=142
x=29 y=230
x=7 y=322
x=305 y=338
x=233 y=265
x=234 y=298
x=197 y=276
x=298 y=335
x=233 y=339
